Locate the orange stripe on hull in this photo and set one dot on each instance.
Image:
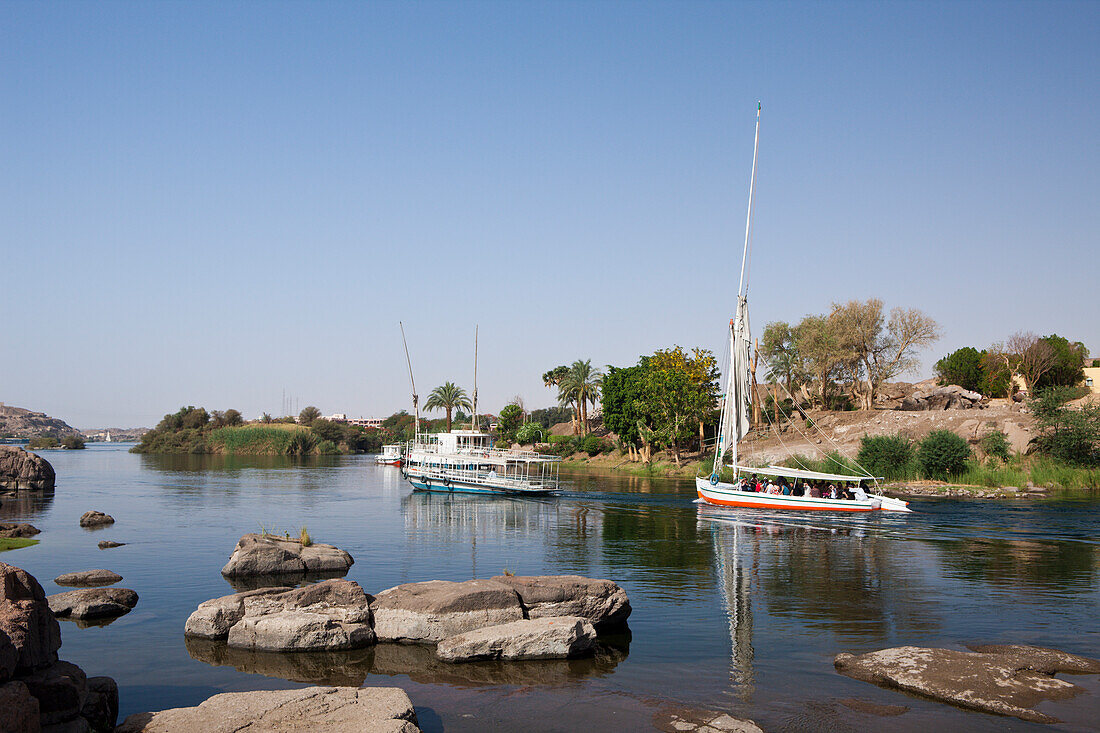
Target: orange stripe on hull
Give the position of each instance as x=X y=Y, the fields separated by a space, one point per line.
x=768 y=505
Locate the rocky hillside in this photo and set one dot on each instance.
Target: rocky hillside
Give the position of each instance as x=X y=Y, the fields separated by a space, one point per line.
x=15 y=422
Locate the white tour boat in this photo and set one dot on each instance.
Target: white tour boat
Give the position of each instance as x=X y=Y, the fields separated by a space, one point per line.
x=390 y=455
x=465 y=461
x=736 y=420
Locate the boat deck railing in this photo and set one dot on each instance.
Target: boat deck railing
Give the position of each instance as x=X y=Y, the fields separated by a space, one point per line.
x=497 y=453
x=481 y=478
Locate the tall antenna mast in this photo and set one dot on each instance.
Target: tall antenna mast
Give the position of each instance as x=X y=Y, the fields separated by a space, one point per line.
x=475 y=426
x=416 y=400
x=741 y=287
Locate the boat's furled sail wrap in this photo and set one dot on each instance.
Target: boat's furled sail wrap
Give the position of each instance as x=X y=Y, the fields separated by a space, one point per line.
x=736 y=416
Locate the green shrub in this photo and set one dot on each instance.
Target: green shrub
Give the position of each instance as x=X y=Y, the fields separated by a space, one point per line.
x=885 y=455
x=327 y=448
x=45 y=441
x=530 y=432
x=593 y=445
x=1070 y=435
x=73 y=442
x=942 y=454
x=995 y=445
x=301 y=443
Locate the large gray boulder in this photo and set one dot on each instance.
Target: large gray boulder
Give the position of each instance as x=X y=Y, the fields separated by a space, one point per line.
x=257 y=555
x=18 y=529
x=95 y=519
x=88 y=578
x=22 y=470
x=93 y=603
x=431 y=611
x=213 y=618
x=545 y=638
x=1004 y=679
x=316 y=709
x=327 y=616
x=602 y=602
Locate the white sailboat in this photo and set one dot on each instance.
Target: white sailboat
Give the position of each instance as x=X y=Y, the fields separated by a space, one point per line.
x=736 y=420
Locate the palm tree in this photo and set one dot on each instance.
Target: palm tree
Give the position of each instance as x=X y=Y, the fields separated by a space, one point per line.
x=578 y=387
x=447 y=397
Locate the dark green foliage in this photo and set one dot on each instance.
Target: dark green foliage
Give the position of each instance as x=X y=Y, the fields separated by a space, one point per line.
x=548 y=417
x=308 y=415
x=996 y=376
x=622 y=397
x=888 y=456
x=327 y=430
x=302 y=443
x=962 y=367
x=1070 y=435
x=508 y=422
x=593 y=445
x=530 y=433
x=840 y=403
x=229 y=418
x=327 y=448
x=42 y=442
x=73 y=442
x=942 y=454
x=995 y=445
x=1069 y=360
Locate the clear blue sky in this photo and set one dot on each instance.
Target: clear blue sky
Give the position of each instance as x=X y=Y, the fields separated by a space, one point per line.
x=206 y=203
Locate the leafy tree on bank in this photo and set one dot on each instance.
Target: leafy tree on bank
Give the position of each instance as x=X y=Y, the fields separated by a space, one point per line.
x=622 y=402
x=1071 y=435
x=1067 y=368
x=579 y=387
x=308 y=415
x=531 y=432
x=943 y=454
x=73 y=442
x=509 y=421
x=822 y=353
x=702 y=369
x=962 y=367
x=779 y=348
x=447 y=397
x=550 y=416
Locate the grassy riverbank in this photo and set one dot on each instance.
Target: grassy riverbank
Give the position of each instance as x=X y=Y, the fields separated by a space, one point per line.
x=15 y=543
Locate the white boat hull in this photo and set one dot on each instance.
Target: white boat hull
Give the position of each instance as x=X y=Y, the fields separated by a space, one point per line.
x=723 y=494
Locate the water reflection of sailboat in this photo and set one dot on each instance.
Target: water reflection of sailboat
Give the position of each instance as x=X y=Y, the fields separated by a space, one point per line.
x=733 y=557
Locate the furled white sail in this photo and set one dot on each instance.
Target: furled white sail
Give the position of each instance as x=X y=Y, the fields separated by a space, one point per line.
x=736 y=418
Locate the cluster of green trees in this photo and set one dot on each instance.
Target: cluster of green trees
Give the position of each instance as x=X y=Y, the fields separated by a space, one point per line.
x=843 y=357
x=578 y=387
x=665 y=401
x=71 y=441
x=1050 y=361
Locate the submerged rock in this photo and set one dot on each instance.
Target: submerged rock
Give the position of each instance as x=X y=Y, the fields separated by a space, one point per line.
x=326 y=616
x=93 y=603
x=1003 y=679
x=96 y=519
x=107 y=544
x=316 y=709
x=22 y=470
x=433 y=610
x=88 y=578
x=263 y=555
x=546 y=638
x=602 y=602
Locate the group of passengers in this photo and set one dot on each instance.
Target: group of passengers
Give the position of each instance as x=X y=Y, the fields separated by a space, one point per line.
x=814 y=489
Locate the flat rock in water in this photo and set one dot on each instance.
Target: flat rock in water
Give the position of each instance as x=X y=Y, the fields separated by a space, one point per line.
x=91 y=603
x=265 y=555
x=545 y=638
x=327 y=616
x=96 y=519
x=684 y=720
x=602 y=602
x=88 y=578
x=431 y=611
x=1002 y=679
x=21 y=529
x=107 y=544
x=214 y=618
x=316 y=709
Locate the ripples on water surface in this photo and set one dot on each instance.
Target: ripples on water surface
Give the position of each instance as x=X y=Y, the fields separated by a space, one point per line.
x=734 y=611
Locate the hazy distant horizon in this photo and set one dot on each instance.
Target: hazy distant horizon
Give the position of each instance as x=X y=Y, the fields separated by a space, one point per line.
x=209 y=203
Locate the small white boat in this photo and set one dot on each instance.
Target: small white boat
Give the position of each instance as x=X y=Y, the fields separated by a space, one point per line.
x=390 y=455
x=464 y=461
x=735 y=422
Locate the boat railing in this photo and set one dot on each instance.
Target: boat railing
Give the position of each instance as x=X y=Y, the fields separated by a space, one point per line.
x=500 y=453
x=479 y=477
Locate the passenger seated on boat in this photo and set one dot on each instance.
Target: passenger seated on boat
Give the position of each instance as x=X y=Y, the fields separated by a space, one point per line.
x=785 y=488
x=815 y=492
x=832 y=491
x=861 y=495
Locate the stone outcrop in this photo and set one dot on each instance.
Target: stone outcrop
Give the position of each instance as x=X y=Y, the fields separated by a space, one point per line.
x=431 y=611
x=108 y=544
x=543 y=638
x=1002 y=679
x=602 y=602
x=23 y=423
x=22 y=470
x=36 y=688
x=21 y=529
x=257 y=555
x=951 y=397
x=326 y=616
x=317 y=709
x=88 y=578
x=214 y=618
x=96 y=519
x=93 y=603
x=681 y=720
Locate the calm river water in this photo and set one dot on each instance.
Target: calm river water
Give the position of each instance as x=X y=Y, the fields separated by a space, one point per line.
x=737 y=612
